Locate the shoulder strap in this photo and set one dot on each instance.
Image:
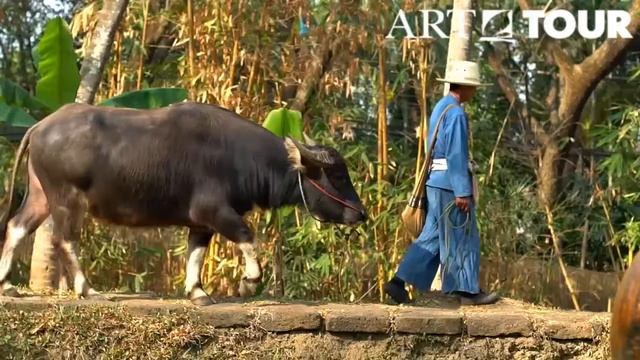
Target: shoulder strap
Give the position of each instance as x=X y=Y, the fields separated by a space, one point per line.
x=428 y=156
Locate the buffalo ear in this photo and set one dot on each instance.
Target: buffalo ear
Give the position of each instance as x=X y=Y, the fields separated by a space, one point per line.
x=293 y=154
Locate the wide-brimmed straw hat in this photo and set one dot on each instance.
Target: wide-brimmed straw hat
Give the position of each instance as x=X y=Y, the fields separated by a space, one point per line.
x=463 y=73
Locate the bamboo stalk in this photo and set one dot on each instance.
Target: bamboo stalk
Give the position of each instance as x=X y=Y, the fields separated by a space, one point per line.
x=234 y=61
x=252 y=73
x=394 y=254
x=211 y=260
x=558 y=252
x=190 y=50
x=119 y=75
x=278 y=264
x=585 y=242
x=611 y=230
x=382 y=159
x=382 y=121
x=113 y=76
x=167 y=273
x=424 y=126
x=379 y=268
x=492 y=159
x=297 y=215
x=145 y=19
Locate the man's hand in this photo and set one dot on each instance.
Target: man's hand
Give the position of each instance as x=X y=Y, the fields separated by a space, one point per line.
x=463 y=203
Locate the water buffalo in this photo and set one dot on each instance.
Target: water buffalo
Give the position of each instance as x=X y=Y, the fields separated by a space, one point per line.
x=190 y=164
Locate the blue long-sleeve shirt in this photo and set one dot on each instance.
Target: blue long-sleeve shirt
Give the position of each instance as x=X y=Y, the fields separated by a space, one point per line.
x=451 y=144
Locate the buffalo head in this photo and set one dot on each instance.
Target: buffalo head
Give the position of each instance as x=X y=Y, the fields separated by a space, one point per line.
x=326 y=189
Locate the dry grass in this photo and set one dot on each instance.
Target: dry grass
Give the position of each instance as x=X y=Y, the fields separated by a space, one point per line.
x=99 y=332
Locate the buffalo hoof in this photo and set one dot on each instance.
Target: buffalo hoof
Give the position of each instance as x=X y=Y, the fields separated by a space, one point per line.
x=248 y=287
x=10 y=291
x=202 y=301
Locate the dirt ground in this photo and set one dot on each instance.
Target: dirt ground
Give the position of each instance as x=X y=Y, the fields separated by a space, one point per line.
x=248 y=345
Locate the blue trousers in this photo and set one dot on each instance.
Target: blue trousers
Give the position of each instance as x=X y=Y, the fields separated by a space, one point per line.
x=449 y=238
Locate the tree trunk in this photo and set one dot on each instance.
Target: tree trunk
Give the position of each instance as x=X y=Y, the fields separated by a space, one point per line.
x=317 y=66
x=99 y=49
x=577 y=82
x=46 y=268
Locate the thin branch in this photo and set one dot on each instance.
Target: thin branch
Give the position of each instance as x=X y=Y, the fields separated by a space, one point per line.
x=560 y=57
x=492 y=159
x=563 y=268
x=507 y=87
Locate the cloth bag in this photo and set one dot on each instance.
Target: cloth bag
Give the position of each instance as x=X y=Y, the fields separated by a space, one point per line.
x=415 y=212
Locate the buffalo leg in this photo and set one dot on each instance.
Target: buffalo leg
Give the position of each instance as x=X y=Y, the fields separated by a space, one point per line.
x=198 y=242
x=34 y=211
x=66 y=231
x=252 y=270
x=231 y=225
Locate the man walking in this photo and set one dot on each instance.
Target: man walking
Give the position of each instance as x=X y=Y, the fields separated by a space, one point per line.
x=450 y=235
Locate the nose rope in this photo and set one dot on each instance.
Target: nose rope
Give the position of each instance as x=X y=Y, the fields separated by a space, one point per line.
x=304 y=200
x=325 y=192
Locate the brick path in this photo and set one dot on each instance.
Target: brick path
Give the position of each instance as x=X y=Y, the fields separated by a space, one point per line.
x=431 y=316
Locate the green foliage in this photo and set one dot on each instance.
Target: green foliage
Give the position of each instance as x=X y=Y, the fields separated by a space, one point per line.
x=284 y=122
x=147 y=98
x=59 y=81
x=629 y=236
x=13 y=100
x=127 y=260
x=620 y=136
x=57 y=66
x=15 y=116
x=13 y=95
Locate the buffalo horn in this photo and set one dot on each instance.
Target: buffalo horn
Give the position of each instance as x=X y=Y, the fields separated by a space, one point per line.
x=309 y=141
x=320 y=158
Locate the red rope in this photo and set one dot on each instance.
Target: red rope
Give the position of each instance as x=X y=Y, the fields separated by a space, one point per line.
x=335 y=198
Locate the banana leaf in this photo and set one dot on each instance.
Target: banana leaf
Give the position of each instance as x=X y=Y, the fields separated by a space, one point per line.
x=284 y=122
x=57 y=66
x=15 y=116
x=14 y=95
x=147 y=98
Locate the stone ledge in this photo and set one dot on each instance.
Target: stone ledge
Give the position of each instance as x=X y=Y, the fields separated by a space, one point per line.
x=568 y=326
x=227 y=315
x=287 y=317
x=493 y=324
x=502 y=320
x=357 y=318
x=428 y=321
